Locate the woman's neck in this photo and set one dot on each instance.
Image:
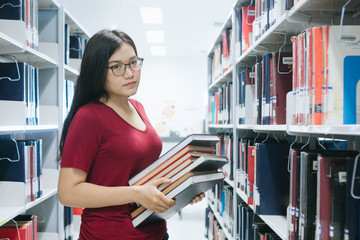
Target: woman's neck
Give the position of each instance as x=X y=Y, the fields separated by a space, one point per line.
x=117 y=103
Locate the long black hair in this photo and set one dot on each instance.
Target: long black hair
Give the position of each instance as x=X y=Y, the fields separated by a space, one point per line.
x=91 y=81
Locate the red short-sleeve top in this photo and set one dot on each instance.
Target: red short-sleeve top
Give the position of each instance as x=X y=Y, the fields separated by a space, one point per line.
x=111 y=151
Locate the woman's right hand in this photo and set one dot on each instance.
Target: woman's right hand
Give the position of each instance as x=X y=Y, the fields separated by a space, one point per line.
x=152 y=198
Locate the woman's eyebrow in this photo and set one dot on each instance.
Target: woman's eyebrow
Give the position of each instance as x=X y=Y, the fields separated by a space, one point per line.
x=119 y=61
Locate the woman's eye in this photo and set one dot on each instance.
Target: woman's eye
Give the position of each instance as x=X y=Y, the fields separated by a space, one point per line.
x=116 y=67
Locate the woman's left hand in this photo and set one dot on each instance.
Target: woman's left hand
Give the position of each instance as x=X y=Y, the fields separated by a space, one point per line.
x=197 y=198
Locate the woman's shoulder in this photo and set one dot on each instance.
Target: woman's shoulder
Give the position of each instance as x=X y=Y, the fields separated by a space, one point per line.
x=90 y=110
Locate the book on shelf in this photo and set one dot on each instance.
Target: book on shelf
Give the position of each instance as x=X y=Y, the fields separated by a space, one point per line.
x=21 y=161
x=281 y=78
x=183 y=190
x=265 y=115
x=307 y=198
x=248 y=17
x=323 y=193
x=77 y=46
x=258 y=93
x=20 y=82
x=21 y=230
x=12 y=10
x=293 y=209
x=271 y=178
x=352 y=200
x=325 y=71
x=249 y=97
x=337 y=193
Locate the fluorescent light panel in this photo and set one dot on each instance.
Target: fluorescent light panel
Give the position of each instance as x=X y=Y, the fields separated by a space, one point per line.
x=151 y=15
x=155 y=36
x=158 y=51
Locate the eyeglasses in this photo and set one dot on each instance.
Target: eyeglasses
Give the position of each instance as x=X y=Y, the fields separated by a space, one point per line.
x=120 y=69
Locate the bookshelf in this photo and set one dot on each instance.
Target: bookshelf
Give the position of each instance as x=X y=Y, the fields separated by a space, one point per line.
x=292 y=22
x=49 y=59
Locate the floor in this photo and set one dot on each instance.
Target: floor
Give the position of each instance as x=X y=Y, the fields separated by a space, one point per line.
x=192 y=224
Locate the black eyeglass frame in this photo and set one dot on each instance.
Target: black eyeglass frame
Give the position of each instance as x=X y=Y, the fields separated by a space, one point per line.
x=129 y=64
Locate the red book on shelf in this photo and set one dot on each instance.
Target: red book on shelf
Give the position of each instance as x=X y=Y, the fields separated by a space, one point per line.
x=295 y=75
x=323 y=200
x=309 y=76
x=248 y=17
x=294 y=178
x=300 y=80
x=318 y=68
x=251 y=174
x=325 y=36
x=281 y=66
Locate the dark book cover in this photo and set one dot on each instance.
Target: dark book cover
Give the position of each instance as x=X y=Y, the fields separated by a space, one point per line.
x=338 y=196
x=308 y=183
x=272 y=178
x=266 y=89
x=282 y=84
x=13 y=81
x=12 y=9
x=258 y=93
x=352 y=209
x=323 y=193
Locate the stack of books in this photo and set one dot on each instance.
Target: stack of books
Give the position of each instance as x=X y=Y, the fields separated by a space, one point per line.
x=192 y=167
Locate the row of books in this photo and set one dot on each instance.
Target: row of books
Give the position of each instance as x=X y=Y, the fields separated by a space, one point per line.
x=221 y=197
x=260 y=96
x=220 y=105
x=221 y=59
x=20 y=82
x=74 y=45
x=324 y=195
x=193 y=168
x=326 y=77
x=251 y=226
x=23 y=227
x=213 y=230
x=21 y=161
x=26 y=11
x=68 y=94
x=253 y=21
x=225 y=148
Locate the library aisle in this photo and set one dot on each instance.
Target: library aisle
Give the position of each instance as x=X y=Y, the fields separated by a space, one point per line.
x=192 y=224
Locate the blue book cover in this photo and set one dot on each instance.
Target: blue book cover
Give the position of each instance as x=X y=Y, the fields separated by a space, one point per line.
x=14 y=169
x=352 y=205
x=12 y=9
x=13 y=81
x=272 y=178
x=351 y=90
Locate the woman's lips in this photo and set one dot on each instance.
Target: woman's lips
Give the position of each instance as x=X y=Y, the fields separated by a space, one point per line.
x=130 y=84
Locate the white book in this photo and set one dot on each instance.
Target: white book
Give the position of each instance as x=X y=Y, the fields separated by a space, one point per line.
x=343 y=75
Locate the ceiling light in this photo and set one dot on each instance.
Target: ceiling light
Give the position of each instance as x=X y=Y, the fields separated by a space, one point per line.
x=151 y=15
x=158 y=51
x=155 y=36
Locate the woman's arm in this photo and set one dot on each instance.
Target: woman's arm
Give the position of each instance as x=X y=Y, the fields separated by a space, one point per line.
x=74 y=191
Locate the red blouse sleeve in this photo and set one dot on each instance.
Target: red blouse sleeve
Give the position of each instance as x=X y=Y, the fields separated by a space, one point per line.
x=82 y=141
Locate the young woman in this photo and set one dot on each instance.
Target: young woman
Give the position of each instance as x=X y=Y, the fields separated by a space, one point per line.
x=106 y=139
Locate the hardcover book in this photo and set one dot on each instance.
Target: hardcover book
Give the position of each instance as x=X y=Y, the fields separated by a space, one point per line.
x=196 y=141
x=183 y=191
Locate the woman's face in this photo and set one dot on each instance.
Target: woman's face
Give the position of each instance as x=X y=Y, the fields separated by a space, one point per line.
x=126 y=84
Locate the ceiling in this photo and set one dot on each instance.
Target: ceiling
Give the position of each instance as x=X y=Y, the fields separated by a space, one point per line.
x=190 y=26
